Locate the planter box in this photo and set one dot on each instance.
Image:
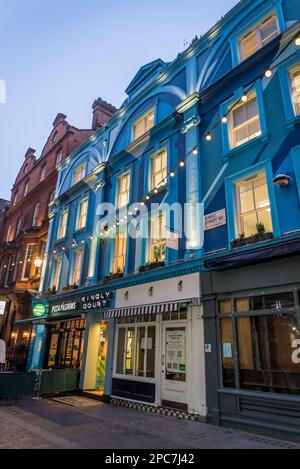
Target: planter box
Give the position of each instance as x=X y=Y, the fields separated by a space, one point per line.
x=13 y=385
x=59 y=381
x=257 y=238
x=152 y=266
x=114 y=276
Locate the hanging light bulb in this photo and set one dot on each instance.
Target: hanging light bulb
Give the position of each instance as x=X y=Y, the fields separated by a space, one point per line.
x=147 y=197
x=172 y=174
x=297 y=40
x=195 y=151
x=208 y=137
x=181 y=164
x=268 y=73
x=244 y=98
x=224 y=120
x=155 y=191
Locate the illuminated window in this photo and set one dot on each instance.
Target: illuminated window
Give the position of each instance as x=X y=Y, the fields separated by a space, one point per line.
x=63 y=225
x=258 y=37
x=295 y=84
x=159 y=169
x=157 y=244
x=9 y=234
x=57 y=272
x=254 y=205
x=144 y=124
x=120 y=252
x=28 y=261
x=79 y=173
x=244 y=122
x=36 y=215
x=43 y=172
x=124 y=188
x=76 y=277
x=16 y=198
x=82 y=214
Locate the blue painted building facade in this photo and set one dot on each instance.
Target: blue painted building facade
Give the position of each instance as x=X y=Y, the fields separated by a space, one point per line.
x=217 y=132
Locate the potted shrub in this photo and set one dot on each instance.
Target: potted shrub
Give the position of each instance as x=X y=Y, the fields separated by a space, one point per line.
x=259 y=236
x=159 y=255
x=51 y=291
x=115 y=275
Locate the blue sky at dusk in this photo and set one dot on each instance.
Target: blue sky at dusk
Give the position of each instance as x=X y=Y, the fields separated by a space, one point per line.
x=59 y=55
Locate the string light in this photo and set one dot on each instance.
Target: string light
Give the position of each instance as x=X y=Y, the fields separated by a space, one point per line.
x=268 y=73
x=172 y=174
x=208 y=137
x=147 y=197
x=195 y=151
x=297 y=40
x=244 y=98
x=181 y=164
x=224 y=120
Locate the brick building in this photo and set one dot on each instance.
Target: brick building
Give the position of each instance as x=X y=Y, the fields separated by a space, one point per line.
x=24 y=229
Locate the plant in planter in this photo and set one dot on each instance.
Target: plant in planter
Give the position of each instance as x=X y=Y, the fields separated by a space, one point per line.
x=51 y=291
x=159 y=255
x=118 y=274
x=260 y=236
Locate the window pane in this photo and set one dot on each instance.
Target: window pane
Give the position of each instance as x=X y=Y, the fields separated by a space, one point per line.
x=279 y=300
x=242 y=305
x=246 y=197
x=227 y=353
x=249 y=45
x=264 y=216
x=261 y=193
x=120 y=352
x=249 y=224
x=140 y=352
x=225 y=306
x=130 y=338
x=269 y=353
x=268 y=30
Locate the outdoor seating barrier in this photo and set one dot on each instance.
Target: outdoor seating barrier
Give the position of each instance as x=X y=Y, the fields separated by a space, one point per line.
x=57 y=381
x=17 y=385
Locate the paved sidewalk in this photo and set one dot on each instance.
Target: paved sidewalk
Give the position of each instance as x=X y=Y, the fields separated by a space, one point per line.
x=92 y=424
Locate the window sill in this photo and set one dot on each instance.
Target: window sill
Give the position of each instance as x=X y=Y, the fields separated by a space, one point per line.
x=291 y=123
x=263 y=139
x=79 y=230
x=60 y=240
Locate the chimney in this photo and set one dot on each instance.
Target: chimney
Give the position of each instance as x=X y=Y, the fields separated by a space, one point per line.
x=58 y=118
x=30 y=152
x=102 y=112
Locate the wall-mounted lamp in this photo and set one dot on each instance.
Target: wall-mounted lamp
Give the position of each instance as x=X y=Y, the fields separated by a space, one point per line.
x=180 y=285
x=297 y=40
x=281 y=180
x=126 y=295
x=150 y=291
x=38 y=262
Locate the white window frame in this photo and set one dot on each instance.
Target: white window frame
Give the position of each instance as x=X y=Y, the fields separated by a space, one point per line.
x=26 y=188
x=65 y=214
x=257 y=30
x=75 y=253
x=79 y=214
x=255 y=210
x=57 y=272
x=134 y=377
x=162 y=171
x=163 y=241
x=246 y=123
x=139 y=120
x=58 y=158
x=126 y=175
x=8 y=234
x=120 y=236
x=79 y=170
x=26 y=260
x=294 y=93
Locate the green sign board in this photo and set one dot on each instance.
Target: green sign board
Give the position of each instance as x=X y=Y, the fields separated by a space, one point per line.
x=39 y=310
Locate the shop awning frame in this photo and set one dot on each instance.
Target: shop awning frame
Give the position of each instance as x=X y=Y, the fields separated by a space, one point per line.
x=158 y=308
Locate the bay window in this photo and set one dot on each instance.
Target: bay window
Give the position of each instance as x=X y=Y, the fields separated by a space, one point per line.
x=253 y=205
x=142 y=125
x=258 y=37
x=157 y=241
x=244 y=122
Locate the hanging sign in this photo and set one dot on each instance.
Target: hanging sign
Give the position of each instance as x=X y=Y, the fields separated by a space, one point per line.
x=172 y=240
x=215 y=219
x=39 y=310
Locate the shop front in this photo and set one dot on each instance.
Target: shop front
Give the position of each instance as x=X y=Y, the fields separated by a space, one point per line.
x=158 y=350
x=65 y=331
x=252 y=324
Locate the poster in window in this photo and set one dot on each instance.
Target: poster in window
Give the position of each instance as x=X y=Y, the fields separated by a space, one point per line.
x=175 y=351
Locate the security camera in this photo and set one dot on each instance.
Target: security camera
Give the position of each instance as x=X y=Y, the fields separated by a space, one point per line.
x=281 y=180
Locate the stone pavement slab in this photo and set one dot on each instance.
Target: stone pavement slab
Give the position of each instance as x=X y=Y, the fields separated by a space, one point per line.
x=52 y=424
